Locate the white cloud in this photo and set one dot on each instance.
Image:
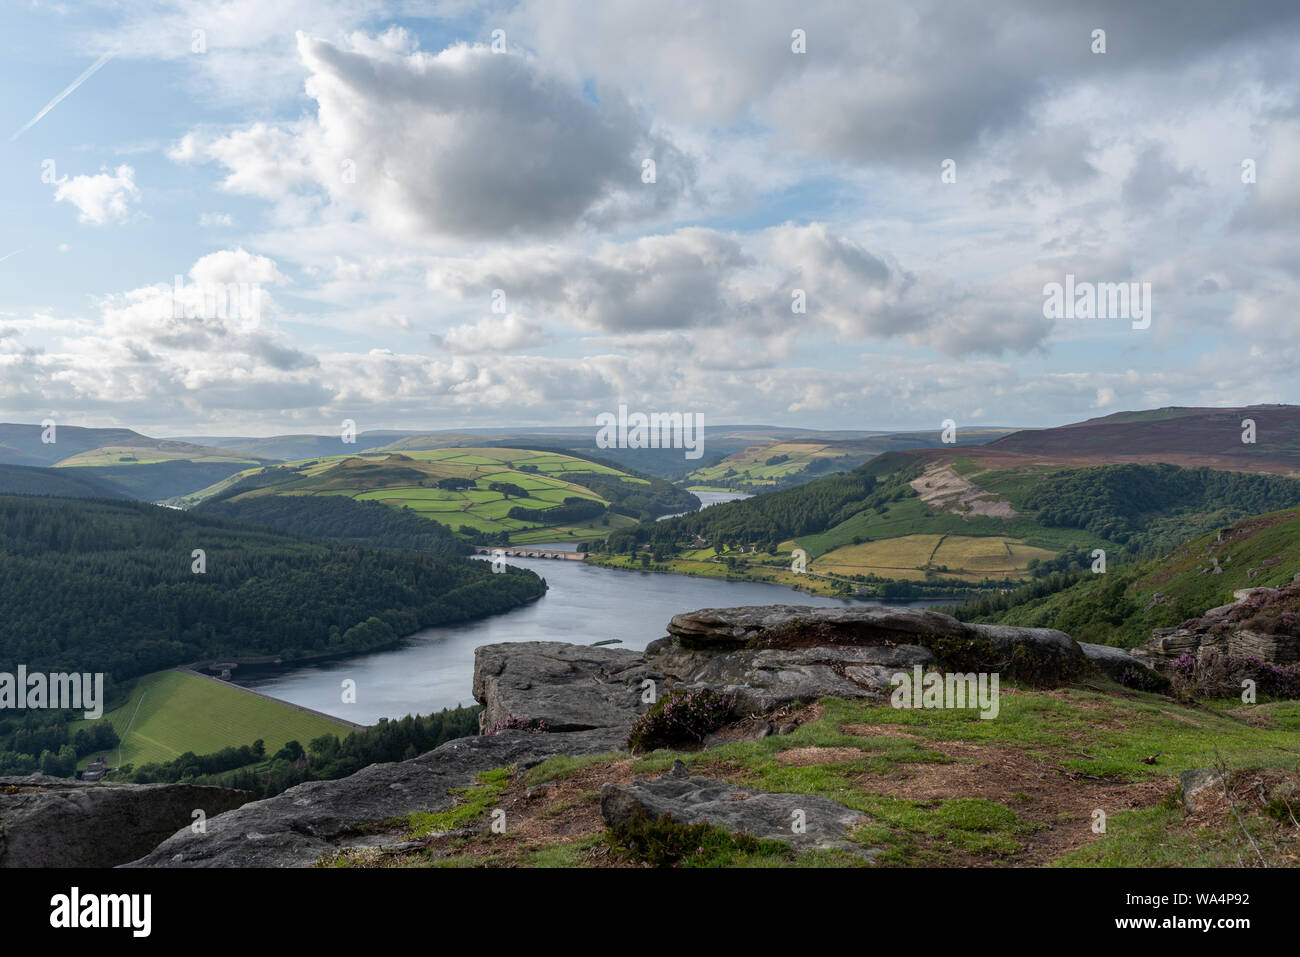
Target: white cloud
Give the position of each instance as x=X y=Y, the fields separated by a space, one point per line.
x=100 y=198
x=464 y=143
x=489 y=334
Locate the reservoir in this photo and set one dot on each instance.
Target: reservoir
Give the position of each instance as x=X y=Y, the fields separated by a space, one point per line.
x=434 y=668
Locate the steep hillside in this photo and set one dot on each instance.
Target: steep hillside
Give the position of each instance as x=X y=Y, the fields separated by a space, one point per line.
x=1123 y=606
x=130 y=599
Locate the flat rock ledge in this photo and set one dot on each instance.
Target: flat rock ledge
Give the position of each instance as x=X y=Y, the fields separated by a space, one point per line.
x=295 y=828
x=57 y=822
x=771 y=656
x=691 y=799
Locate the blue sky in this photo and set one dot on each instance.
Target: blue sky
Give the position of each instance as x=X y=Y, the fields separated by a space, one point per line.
x=370 y=172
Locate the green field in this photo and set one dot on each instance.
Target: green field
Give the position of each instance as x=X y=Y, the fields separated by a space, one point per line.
x=409 y=479
x=908 y=557
x=749 y=468
x=150 y=455
x=911 y=516
x=172 y=712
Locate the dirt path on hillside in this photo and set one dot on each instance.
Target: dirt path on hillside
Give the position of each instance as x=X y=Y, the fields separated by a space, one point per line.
x=944 y=489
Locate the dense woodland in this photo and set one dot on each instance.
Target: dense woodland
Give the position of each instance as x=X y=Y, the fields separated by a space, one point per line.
x=343 y=519
x=110 y=586
x=1119 y=502
x=70 y=482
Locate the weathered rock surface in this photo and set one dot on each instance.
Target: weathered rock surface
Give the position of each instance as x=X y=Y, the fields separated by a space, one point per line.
x=1122 y=666
x=570 y=687
x=774 y=677
x=1030 y=653
x=691 y=799
x=1195 y=783
x=293 y=829
x=1240 y=628
x=57 y=822
x=769 y=656
x=788 y=625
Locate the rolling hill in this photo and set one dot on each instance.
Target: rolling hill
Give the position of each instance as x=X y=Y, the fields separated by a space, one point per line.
x=1178 y=436
x=172 y=712
x=35 y=480
x=493 y=494
x=776 y=465
x=1024 y=505
x=120 y=462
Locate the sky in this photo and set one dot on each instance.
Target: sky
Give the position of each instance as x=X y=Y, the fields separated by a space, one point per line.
x=252 y=217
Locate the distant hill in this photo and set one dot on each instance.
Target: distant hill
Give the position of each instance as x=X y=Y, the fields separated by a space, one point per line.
x=777 y=465
x=1179 y=436
x=289 y=448
x=128 y=463
x=30 y=480
x=487 y=494
x=22 y=445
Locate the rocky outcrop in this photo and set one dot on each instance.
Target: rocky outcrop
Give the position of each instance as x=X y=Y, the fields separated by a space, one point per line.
x=772 y=678
x=56 y=822
x=768 y=656
x=295 y=828
x=569 y=687
x=788 y=626
x=803 y=821
x=1031 y=654
x=588 y=696
x=1260 y=622
x=1123 y=667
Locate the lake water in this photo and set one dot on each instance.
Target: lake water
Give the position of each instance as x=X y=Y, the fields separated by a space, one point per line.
x=709 y=498
x=434 y=668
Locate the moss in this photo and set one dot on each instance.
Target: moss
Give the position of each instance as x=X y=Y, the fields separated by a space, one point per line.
x=964 y=653
x=474 y=802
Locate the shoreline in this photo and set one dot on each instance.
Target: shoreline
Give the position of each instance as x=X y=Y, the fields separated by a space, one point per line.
x=951 y=596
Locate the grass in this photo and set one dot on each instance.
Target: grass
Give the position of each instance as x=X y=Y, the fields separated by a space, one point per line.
x=1123 y=606
x=1165 y=836
x=148 y=455
x=472 y=803
x=970 y=557
x=563 y=765
x=1092 y=740
x=749 y=467
x=171 y=712
x=911 y=516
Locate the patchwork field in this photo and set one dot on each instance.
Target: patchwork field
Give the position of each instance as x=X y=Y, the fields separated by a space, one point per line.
x=762 y=466
x=412 y=480
x=173 y=712
x=908 y=557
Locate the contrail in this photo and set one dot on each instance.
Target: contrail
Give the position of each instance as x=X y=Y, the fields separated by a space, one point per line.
x=58 y=99
x=9 y=255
